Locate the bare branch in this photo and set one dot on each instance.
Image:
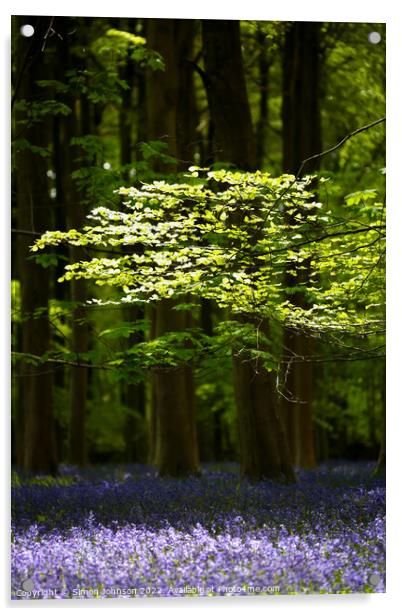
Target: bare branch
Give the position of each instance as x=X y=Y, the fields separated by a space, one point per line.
x=338 y=145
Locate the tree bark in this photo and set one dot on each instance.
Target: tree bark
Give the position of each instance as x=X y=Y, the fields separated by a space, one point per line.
x=76 y=212
x=261 y=432
x=301 y=137
x=263 y=108
x=132 y=394
x=233 y=134
x=76 y=124
x=36 y=443
x=381 y=462
x=301 y=122
x=263 y=448
x=169 y=96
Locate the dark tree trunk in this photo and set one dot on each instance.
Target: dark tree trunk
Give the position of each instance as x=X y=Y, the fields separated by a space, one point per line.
x=262 y=122
x=79 y=294
x=126 y=111
x=132 y=394
x=233 y=134
x=301 y=125
x=186 y=113
x=135 y=430
x=262 y=437
x=76 y=124
x=263 y=450
x=381 y=462
x=141 y=100
x=36 y=443
x=214 y=431
x=168 y=95
x=301 y=138
x=176 y=451
x=151 y=315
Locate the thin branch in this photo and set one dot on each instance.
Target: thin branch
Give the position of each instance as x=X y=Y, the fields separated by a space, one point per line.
x=65 y=362
x=49 y=32
x=86 y=248
x=313 y=360
x=320 y=155
x=320 y=239
x=200 y=71
x=338 y=145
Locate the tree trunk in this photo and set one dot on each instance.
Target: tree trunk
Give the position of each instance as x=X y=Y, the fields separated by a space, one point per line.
x=176 y=441
x=263 y=449
x=262 y=122
x=233 y=134
x=301 y=138
x=36 y=443
x=381 y=462
x=301 y=124
x=168 y=95
x=135 y=429
x=132 y=394
x=76 y=124
x=78 y=375
x=261 y=432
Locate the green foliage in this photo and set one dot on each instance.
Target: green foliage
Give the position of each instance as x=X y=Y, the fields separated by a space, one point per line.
x=32 y=112
x=48 y=259
x=350 y=410
x=92 y=148
x=246 y=340
x=155 y=150
x=54 y=84
x=105 y=430
x=225 y=237
x=168 y=351
x=125 y=329
x=353 y=83
x=117 y=45
x=15 y=299
x=24 y=144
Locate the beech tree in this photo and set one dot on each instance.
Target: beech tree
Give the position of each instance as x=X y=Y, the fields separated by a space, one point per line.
x=197 y=240
x=175 y=440
x=301 y=129
x=263 y=445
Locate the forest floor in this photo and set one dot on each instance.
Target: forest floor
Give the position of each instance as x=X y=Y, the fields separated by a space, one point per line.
x=122 y=532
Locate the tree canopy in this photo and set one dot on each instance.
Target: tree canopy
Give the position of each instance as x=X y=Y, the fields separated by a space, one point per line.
x=223 y=235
